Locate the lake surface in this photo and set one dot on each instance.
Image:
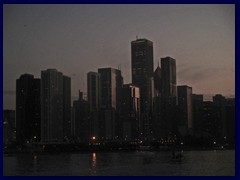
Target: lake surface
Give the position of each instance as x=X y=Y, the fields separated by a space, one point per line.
x=138 y=163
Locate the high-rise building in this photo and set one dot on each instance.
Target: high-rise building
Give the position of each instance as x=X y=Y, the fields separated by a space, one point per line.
x=165 y=118
x=168 y=67
x=157 y=75
x=55 y=94
x=220 y=103
x=94 y=100
x=111 y=86
x=230 y=122
x=185 y=121
x=142 y=71
x=66 y=107
x=130 y=112
x=93 y=90
x=197 y=104
x=28 y=110
x=81 y=123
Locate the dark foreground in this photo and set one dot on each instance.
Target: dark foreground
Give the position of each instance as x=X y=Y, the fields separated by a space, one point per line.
x=120 y=163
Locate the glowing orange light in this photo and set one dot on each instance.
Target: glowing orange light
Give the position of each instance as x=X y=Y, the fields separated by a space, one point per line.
x=93 y=137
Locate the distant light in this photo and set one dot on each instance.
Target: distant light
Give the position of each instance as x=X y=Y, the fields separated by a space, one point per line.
x=181 y=143
x=93 y=138
x=214 y=142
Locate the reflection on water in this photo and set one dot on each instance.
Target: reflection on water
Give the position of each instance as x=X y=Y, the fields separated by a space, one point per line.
x=143 y=163
x=93 y=164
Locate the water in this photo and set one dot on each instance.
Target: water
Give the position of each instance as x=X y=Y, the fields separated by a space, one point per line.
x=196 y=163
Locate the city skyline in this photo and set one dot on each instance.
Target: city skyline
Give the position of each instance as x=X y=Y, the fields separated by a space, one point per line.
x=38 y=37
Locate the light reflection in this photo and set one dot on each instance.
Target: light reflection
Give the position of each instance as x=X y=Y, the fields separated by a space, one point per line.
x=94 y=163
x=94 y=159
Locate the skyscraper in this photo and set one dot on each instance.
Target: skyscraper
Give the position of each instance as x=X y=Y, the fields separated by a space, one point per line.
x=185 y=121
x=81 y=124
x=111 y=86
x=93 y=90
x=157 y=75
x=66 y=106
x=168 y=67
x=142 y=71
x=28 y=109
x=166 y=119
x=94 y=100
x=55 y=94
x=130 y=112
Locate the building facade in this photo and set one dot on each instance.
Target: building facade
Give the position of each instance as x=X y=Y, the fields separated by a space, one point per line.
x=54 y=105
x=111 y=87
x=142 y=72
x=185 y=119
x=130 y=112
x=28 y=109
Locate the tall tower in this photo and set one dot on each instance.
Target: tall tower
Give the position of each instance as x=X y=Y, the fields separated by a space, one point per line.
x=169 y=88
x=185 y=123
x=55 y=94
x=130 y=112
x=142 y=71
x=93 y=90
x=66 y=106
x=168 y=99
x=28 y=109
x=111 y=86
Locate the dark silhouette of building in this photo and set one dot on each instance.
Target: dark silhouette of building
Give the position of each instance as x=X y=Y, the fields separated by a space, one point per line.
x=142 y=72
x=168 y=98
x=220 y=104
x=230 y=122
x=111 y=87
x=81 y=121
x=169 y=87
x=9 y=127
x=185 y=121
x=210 y=124
x=130 y=112
x=94 y=100
x=28 y=109
x=66 y=107
x=55 y=107
x=157 y=82
x=93 y=90
x=197 y=102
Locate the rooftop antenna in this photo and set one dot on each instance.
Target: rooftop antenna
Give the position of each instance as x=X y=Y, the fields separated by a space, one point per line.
x=136 y=37
x=158 y=63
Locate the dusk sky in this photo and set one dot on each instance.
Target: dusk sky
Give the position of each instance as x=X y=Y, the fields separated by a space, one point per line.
x=76 y=39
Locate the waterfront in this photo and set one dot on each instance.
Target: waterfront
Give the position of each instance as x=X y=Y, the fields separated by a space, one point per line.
x=135 y=163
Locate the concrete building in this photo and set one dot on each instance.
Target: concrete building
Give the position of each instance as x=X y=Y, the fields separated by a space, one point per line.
x=185 y=119
x=55 y=107
x=111 y=86
x=142 y=72
x=28 y=109
x=130 y=114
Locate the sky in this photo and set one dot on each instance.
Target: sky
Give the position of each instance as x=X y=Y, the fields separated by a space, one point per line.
x=76 y=39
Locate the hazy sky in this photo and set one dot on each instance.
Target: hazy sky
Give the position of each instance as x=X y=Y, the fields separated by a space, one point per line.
x=76 y=39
